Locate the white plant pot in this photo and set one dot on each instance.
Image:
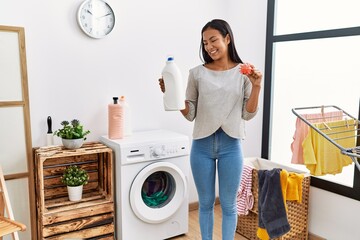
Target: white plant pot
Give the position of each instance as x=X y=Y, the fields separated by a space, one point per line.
x=72 y=143
x=75 y=193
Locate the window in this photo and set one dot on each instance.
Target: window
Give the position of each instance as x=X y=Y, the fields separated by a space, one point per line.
x=312 y=59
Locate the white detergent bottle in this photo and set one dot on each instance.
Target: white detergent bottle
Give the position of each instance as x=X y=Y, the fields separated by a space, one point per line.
x=174 y=97
x=127 y=116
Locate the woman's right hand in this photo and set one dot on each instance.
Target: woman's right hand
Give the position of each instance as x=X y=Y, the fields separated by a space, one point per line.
x=162 y=84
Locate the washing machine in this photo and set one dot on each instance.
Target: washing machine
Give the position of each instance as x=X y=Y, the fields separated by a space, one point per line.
x=151 y=184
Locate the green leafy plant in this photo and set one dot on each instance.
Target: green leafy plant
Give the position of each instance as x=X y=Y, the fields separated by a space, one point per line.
x=72 y=130
x=74 y=176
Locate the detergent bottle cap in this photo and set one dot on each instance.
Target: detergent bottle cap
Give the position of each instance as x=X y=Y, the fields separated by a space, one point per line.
x=170 y=58
x=115 y=100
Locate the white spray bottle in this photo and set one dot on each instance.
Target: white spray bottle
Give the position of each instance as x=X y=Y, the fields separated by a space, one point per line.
x=174 y=97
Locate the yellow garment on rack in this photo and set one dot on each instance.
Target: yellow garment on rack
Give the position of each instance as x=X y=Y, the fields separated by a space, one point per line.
x=291 y=187
x=320 y=155
x=302 y=130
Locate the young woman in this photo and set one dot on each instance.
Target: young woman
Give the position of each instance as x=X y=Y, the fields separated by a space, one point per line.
x=219 y=98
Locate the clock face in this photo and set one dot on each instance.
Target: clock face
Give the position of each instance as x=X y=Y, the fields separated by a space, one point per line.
x=96 y=18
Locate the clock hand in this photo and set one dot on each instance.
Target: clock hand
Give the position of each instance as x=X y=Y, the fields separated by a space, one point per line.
x=105 y=15
x=89 y=11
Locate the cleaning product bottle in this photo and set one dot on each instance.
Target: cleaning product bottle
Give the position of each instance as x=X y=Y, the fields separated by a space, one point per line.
x=116 y=120
x=174 y=97
x=127 y=129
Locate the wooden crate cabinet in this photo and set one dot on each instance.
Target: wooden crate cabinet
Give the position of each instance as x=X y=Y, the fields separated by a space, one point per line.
x=90 y=218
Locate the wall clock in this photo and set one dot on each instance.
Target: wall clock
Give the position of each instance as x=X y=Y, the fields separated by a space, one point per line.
x=96 y=18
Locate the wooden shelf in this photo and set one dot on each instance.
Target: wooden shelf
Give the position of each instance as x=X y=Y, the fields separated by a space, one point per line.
x=59 y=218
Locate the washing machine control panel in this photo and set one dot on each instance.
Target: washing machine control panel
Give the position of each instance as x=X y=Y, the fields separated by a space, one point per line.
x=162 y=151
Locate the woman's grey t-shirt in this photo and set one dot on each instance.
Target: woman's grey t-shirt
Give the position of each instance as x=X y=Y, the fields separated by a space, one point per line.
x=217 y=99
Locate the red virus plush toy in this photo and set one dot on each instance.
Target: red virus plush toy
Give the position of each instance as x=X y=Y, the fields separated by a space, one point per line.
x=246 y=68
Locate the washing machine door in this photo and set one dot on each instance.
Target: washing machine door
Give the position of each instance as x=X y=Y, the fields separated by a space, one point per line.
x=157 y=192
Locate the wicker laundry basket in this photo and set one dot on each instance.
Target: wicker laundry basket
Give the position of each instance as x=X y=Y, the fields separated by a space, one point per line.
x=297 y=212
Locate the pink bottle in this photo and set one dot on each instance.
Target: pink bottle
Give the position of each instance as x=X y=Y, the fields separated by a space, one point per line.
x=116 y=120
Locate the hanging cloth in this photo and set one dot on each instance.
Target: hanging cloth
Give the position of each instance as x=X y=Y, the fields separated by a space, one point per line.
x=245 y=198
x=272 y=215
x=302 y=129
x=320 y=155
x=291 y=188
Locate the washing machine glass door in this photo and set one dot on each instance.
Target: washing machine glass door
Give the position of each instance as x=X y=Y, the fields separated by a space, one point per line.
x=157 y=192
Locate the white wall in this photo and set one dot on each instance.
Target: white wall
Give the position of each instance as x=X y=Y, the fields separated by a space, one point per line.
x=73 y=76
x=333 y=216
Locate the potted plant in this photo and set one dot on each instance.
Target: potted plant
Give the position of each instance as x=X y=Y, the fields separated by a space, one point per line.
x=75 y=178
x=72 y=134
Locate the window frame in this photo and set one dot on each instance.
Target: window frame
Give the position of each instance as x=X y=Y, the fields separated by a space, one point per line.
x=271 y=39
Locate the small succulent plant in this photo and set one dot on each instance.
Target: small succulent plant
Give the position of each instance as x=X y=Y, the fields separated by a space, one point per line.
x=74 y=176
x=72 y=130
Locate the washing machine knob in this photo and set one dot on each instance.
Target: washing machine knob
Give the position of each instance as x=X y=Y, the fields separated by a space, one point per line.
x=158 y=151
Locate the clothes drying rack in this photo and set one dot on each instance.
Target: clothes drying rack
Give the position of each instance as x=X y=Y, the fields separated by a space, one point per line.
x=353 y=152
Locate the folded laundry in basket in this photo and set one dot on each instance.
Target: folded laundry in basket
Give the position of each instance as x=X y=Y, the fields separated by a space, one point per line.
x=245 y=198
x=271 y=207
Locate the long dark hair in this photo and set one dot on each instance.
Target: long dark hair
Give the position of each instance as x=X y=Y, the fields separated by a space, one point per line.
x=224 y=28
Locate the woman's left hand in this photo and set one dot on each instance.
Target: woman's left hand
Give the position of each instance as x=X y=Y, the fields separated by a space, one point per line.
x=255 y=77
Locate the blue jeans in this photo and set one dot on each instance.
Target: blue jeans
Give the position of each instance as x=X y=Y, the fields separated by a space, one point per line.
x=224 y=152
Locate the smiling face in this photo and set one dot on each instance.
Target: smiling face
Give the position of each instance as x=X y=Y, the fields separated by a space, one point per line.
x=215 y=44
